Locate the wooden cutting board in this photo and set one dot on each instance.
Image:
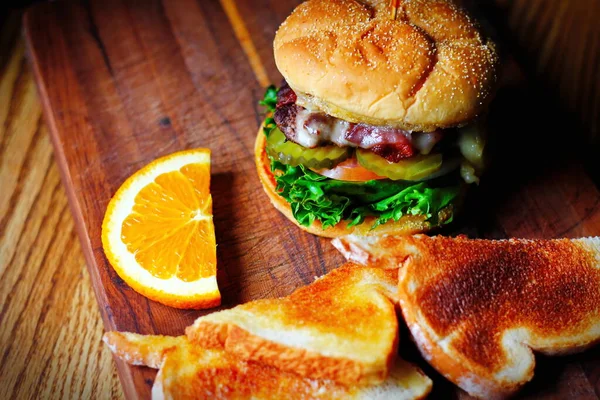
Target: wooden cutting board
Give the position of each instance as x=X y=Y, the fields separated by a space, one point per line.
x=125 y=82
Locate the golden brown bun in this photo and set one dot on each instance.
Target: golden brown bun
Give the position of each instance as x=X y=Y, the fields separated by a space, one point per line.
x=478 y=308
x=406 y=225
x=430 y=68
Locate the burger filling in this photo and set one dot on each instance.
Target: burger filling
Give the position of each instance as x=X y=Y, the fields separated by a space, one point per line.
x=332 y=170
x=311 y=129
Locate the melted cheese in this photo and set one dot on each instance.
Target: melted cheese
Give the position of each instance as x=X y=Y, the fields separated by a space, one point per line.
x=311 y=131
x=425 y=141
x=471 y=141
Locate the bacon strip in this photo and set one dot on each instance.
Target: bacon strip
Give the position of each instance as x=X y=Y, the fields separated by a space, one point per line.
x=310 y=129
x=390 y=143
x=285 y=96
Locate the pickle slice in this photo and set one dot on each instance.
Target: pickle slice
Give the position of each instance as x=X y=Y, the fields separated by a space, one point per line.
x=411 y=169
x=293 y=154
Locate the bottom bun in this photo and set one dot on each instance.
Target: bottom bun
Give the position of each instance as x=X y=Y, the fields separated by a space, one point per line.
x=408 y=224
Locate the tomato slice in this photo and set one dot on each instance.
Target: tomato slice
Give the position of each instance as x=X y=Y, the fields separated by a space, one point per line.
x=349 y=170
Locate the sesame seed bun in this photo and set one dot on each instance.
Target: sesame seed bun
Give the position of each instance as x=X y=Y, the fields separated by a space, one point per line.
x=429 y=68
x=406 y=225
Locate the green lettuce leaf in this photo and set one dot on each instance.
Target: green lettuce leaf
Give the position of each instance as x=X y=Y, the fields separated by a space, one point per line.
x=316 y=197
x=269 y=101
x=270 y=98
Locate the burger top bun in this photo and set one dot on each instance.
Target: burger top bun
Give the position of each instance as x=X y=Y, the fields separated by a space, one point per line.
x=428 y=68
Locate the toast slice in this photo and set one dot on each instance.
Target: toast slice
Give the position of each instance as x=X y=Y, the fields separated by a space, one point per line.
x=379 y=251
x=190 y=372
x=342 y=327
x=478 y=308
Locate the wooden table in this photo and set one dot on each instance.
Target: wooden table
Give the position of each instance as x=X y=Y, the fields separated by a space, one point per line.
x=50 y=327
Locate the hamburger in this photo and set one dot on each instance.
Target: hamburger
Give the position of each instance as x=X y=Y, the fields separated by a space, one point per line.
x=379 y=124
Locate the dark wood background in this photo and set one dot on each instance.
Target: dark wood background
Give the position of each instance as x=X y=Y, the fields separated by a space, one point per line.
x=124 y=82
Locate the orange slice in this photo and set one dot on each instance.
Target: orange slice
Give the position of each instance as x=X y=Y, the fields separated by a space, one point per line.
x=158 y=231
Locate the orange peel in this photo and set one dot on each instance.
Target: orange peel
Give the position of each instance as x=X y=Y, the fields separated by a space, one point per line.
x=158 y=231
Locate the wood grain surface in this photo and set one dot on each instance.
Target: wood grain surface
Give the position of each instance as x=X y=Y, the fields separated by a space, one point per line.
x=50 y=327
x=50 y=335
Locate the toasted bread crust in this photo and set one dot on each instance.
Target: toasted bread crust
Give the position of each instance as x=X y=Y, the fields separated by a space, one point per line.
x=428 y=68
x=477 y=308
x=352 y=337
x=139 y=349
x=406 y=225
x=246 y=346
x=380 y=252
x=191 y=372
x=304 y=363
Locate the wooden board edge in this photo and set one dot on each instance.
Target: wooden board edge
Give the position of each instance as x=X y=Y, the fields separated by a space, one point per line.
x=124 y=371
